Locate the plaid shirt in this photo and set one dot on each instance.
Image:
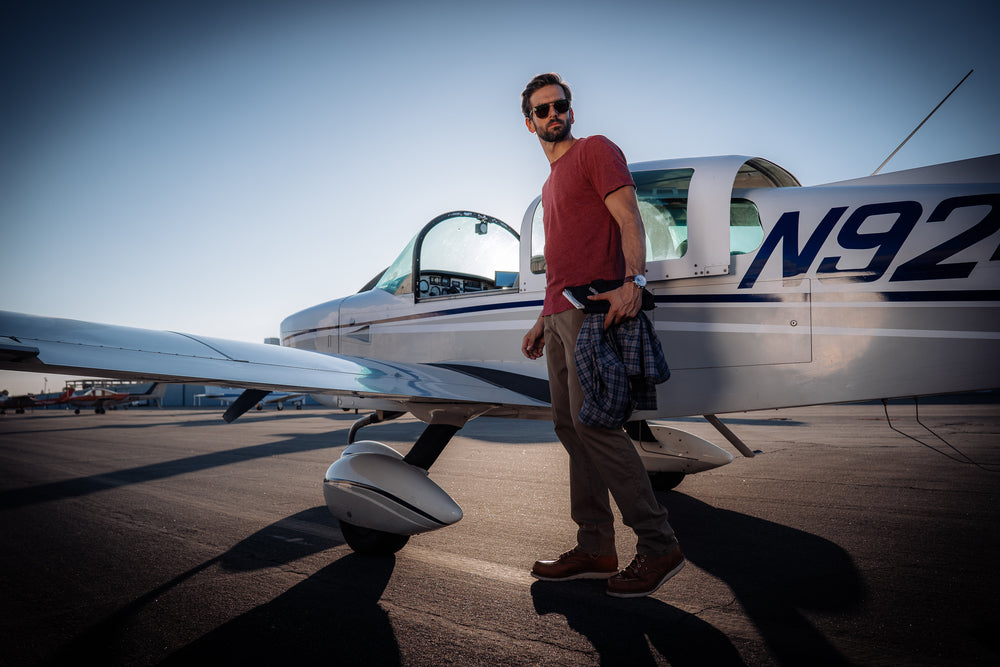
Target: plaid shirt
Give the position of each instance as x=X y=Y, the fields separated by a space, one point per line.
x=618 y=369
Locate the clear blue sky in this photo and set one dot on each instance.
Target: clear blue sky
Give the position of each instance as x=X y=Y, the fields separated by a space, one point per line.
x=211 y=167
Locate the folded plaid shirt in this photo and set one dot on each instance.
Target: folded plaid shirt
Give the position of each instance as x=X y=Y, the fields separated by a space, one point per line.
x=619 y=369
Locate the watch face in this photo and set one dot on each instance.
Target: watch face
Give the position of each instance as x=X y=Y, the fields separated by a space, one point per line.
x=640 y=280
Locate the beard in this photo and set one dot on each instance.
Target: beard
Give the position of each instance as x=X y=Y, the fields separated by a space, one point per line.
x=553 y=133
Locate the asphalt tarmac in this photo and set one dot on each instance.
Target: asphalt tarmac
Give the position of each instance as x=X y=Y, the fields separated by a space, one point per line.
x=153 y=536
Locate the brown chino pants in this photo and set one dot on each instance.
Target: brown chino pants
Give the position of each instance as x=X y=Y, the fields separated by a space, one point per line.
x=600 y=460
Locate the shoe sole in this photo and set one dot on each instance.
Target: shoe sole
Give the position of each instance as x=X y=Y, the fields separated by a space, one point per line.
x=642 y=594
x=581 y=575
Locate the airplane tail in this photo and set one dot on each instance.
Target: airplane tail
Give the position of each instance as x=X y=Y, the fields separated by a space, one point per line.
x=156 y=393
x=158 y=390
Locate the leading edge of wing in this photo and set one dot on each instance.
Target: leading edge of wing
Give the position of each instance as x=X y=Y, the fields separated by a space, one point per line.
x=55 y=345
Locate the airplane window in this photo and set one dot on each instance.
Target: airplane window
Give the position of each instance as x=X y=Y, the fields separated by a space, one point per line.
x=745 y=231
x=538 y=240
x=662 y=196
x=397 y=278
x=662 y=199
x=759 y=173
x=467 y=253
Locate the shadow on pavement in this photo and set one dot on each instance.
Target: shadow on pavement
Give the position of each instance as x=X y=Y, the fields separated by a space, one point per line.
x=333 y=617
x=340 y=601
x=775 y=573
x=622 y=631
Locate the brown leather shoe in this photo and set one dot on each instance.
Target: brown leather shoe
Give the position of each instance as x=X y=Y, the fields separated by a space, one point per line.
x=576 y=565
x=645 y=574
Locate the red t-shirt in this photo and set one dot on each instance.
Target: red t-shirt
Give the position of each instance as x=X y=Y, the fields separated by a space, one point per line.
x=582 y=239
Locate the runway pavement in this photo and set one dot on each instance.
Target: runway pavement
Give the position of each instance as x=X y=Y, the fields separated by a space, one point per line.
x=166 y=536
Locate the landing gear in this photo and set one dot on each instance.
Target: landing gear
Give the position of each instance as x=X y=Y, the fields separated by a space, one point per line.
x=381 y=497
x=371 y=542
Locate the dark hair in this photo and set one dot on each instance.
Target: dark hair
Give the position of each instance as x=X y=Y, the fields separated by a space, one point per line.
x=539 y=82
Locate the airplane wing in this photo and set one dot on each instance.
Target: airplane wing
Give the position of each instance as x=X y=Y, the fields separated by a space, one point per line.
x=44 y=344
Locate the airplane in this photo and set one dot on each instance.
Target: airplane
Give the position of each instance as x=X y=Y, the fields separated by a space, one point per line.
x=278 y=399
x=101 y=398
x=767 y=295
x=20 y=403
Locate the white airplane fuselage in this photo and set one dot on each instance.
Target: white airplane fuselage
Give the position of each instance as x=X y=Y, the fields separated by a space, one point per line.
x=879 y=288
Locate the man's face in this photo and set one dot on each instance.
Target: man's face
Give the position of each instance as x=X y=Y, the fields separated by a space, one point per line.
x=555 y=126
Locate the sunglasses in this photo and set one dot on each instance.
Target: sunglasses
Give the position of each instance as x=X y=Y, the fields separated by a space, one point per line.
x=542 y=110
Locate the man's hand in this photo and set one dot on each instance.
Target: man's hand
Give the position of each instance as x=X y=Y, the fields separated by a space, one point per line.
x=534 y=340
x=624 y=303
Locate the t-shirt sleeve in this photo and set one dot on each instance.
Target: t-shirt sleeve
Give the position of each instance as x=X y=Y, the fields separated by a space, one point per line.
x=606 y=166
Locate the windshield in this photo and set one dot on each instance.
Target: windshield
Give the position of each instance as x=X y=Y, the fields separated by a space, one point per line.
x=397 y=278
x=467 y=252
x=456 y=253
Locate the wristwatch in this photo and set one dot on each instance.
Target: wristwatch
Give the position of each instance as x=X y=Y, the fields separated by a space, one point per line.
x=639 y=280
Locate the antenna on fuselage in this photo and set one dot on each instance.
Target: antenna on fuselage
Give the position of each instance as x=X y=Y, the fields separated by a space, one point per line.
x=922 y=123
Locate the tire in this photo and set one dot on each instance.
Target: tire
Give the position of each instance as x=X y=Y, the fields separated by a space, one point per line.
x=371 y=542
x=665 y=481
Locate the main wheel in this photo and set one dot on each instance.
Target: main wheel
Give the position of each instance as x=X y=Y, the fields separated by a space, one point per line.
x=665 y=481
x=371 y=542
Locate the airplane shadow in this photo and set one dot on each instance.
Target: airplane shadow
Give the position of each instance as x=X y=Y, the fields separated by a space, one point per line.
x=333 y=616
x=775 y=573
x=198 y=418
x=81 y=486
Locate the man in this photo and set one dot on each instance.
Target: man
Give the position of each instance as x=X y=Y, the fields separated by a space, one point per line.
x=592 y=231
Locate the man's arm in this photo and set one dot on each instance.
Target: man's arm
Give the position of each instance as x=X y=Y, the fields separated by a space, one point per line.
x=626 y=301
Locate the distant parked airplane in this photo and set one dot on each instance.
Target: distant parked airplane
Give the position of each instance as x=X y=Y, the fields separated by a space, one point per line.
x=19 y=403
x=100 y=398
x=278 y=399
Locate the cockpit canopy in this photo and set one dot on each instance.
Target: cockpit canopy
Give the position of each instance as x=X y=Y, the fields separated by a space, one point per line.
x=697 y=214
x=456 y=253
x=698 y=201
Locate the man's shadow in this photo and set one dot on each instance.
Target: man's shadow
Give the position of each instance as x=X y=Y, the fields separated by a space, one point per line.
x=775 y=572
x=622 y=630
